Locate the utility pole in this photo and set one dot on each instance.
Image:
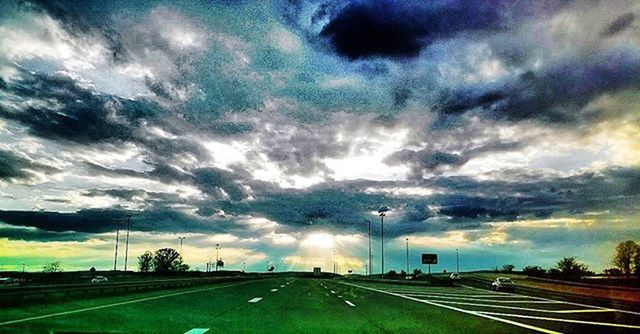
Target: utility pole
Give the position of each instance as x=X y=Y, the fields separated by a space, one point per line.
x=370 y=258
x=126 y=249
x=366 y=270
x=181 y=238
x=115 y=260
x=407 y=239
x=382 y=214
x=23 y=267
x=244 y=267
x=457 y=262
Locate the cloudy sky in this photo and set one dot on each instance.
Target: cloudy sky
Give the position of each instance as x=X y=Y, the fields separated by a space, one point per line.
x=509 y=130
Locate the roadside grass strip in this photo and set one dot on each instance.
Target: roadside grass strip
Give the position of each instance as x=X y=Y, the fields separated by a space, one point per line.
x=116 y=304
x=475 y=313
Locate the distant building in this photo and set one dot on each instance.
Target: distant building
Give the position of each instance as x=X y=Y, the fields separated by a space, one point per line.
x=317 y=271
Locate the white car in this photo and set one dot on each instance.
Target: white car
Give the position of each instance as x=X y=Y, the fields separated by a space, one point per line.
x=99 y=279
x=455 y=276
x=503 y=284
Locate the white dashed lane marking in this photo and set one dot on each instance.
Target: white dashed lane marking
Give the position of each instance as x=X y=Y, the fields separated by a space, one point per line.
x=349 y=303
x=197 y=331
x=255 y=300
x=274 y=290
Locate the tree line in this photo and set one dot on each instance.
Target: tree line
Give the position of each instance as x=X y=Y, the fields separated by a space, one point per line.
x=164 y=260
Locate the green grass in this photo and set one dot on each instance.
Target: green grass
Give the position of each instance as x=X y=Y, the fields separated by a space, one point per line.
x=303 y=306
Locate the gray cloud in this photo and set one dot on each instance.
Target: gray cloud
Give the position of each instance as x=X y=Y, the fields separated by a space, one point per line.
x=14 y=167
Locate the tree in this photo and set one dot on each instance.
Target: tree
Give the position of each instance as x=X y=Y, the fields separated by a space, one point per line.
x=534 y=271
x=624 y=258
x=636 y=262
x=571 y=269
x=53 y=267
x=145 y=262
x=417 y=271
x=166 y=260
x=507 y=268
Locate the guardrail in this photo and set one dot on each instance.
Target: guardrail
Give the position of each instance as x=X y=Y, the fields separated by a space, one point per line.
x=12 y=296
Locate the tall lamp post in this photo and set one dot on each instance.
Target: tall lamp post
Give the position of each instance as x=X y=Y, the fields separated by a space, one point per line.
x=457 y=262
x=407 y=240
x=126 y=248
x=370 y=259
x=382 y=214
x=115 y=258
x=181 y=238
x=217 y=255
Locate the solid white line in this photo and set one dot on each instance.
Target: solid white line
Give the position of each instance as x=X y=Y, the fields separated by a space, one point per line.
x=515 y=323
x=350 y=303
x=274 y=290
x=255 y=300
x=525 y=308
x=197 y=331
x=483 y=300
x=563 y=320
x=115 y=304
x=570 y=303
x=461 y=295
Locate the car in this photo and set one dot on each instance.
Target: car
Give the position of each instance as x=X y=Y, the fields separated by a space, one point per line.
x=455 y=276
x=503 y=284
x=8 y=281
x=99 y=279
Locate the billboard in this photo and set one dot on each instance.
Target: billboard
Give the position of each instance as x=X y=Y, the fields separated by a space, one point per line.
x=429 y=258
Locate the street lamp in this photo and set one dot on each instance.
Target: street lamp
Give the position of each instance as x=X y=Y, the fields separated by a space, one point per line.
x=382 y=214
x=115 y=259
x=126 y=249
x=457 y=262
x=217 y=255
x=181 y=238
x=23 y=267
x=334 y=261
x=370 y=259
x=407 y=239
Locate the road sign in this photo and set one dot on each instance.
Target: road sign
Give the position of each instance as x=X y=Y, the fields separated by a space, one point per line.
x=429 y=258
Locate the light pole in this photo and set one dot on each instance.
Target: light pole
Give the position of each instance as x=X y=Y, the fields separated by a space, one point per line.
x=244 y=266
x=334 y=261
x=217 y=255
x=181 y=238
x=382 y=214
x=370 y=259
x=457 y=262
x=366 y=270
x=126 y=249
x=23 y=267
x=407 y=239
x=115 y=259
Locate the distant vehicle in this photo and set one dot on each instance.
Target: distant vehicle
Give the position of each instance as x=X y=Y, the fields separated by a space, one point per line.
x=99 y=279
x=503 y=284
x=8 y=281
x=455 y=276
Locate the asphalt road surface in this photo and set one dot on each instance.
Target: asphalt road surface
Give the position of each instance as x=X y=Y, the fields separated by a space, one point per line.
x=290 y=305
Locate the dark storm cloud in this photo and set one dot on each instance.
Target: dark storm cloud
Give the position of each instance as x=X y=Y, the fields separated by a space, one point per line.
x=77 y=115
x=620 y=24
x=102 y=220
x=14 y=167
x=394 y=29
x=436 y=161
x=211 y=181
x=557 y=94
x=461 y=203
